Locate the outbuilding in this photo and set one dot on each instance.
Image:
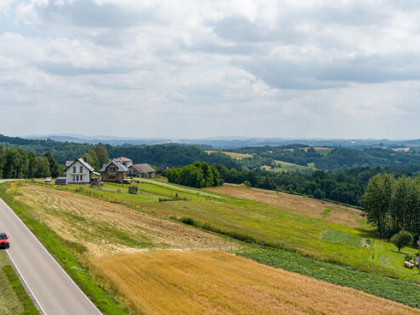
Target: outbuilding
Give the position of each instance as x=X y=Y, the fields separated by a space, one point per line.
x=141 y=170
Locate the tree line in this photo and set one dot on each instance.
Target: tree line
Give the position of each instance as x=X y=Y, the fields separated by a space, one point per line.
x=198 y=174
x=17 y=163
x=347 y=186
x=393 y=204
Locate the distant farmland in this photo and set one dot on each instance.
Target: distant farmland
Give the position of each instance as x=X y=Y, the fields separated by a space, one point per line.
x=233 y=155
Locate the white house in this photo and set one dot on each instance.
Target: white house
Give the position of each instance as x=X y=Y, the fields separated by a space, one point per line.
x=79 y=172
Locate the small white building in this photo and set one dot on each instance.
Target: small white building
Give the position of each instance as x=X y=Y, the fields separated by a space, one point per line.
x=79 y=172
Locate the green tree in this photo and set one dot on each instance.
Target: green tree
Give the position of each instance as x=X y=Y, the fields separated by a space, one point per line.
x=54 y=166
x=377 y=201
x=43 y=167
x=402 y=239
x=101 y=154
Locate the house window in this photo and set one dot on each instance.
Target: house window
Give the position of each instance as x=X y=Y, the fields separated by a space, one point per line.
x=81 y=169
x=81 y=178
x=74 y=178
x=77 y=178
x=74 y=169
x=112 y=169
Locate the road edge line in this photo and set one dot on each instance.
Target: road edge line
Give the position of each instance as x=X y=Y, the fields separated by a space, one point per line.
x=25 y=284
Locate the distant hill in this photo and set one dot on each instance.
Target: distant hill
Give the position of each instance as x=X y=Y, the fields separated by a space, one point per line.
x=231 y=142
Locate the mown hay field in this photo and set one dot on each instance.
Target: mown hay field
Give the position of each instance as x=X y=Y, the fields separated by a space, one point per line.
x=100 y=227
x=296 y=204
x=167 y=282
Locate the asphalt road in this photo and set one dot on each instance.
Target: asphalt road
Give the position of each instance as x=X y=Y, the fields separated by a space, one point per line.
x=49 y=285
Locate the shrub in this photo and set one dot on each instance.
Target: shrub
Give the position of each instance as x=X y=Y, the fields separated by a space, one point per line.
x=187 y=220
x=402 y=239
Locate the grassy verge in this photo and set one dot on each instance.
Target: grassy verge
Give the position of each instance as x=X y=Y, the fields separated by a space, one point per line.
x=392 y=289
x=105 y=302
x=13 y=297
x=25 y=300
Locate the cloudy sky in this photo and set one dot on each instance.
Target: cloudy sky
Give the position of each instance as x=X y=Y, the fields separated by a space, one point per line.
x=194 y=69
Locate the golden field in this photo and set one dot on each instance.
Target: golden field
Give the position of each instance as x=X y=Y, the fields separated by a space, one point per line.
x=210 y=282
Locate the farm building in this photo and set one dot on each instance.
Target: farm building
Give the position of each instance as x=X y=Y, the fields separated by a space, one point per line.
x=114 y=171
x=125 y=161
x=80 y=172
x=141 y=170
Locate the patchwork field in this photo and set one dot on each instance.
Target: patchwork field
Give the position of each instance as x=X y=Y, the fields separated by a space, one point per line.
x=135 y=249
x=168 y=282
x=296 y=204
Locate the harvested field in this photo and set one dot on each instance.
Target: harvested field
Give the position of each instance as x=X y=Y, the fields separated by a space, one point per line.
x=103 y=227
x=167 y=282
x=296 y=204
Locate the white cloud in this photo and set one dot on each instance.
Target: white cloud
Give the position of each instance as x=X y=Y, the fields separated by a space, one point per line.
x=196 y=69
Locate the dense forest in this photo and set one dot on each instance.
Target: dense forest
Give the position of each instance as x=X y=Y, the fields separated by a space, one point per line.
x=162 y=156
x=333 y=159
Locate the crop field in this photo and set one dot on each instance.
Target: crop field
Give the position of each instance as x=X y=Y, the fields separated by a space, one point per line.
x=275 y=223
x=140 y=230
x=233 y=155
x=100 y=227
x=393 y=289
x=167 y=282
x=295 y=204
x=284 y=167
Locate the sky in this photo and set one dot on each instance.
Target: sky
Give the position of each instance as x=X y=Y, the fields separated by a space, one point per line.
x=208 y=68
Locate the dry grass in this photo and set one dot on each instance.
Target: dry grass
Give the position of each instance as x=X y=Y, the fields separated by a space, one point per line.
x=166 y=282
x=296 y=204
x=104 y=227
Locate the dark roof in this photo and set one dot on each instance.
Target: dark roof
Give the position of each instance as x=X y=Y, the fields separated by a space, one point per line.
x=120 y=167
x=85 y=164
x=143 y=168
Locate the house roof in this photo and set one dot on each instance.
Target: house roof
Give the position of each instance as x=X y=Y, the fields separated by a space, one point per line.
x=85 y=164
x=123 y=159
x=120 y=167
x=143 y=168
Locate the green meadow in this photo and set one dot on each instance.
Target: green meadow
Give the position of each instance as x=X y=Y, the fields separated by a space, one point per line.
x=261 y=224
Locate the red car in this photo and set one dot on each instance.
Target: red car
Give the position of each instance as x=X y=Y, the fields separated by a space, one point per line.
x=4 y=243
